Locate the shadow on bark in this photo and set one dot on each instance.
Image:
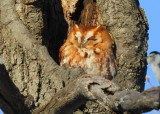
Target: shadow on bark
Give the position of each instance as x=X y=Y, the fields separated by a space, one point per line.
x=55 y=27
x=12 y=102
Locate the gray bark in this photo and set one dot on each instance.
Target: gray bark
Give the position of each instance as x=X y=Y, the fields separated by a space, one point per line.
x=28 y=27
x=127 y=23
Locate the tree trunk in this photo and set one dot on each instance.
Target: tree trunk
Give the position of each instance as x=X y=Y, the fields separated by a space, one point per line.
x=30 y=26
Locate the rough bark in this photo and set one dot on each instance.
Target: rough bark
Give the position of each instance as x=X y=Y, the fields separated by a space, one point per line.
x=29 y=64
x=29 y=25
x=94 y=89
x=128 y=25
x=11 y=99
x=129 y=29
x=84 y=88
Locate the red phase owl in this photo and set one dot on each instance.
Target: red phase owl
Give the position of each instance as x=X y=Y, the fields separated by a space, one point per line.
x=91 y=48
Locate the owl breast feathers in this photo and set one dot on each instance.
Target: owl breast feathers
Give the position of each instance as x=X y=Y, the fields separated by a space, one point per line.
x=90 y=48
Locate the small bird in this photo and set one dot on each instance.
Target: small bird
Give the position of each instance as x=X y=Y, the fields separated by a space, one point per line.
x=154 y=60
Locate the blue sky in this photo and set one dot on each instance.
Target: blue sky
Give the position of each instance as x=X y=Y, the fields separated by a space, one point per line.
x=152 y=10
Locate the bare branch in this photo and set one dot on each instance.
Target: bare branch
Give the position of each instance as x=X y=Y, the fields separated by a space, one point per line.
x=133 y=101
x=77 y=93
x=86 y=87
x=103 y=91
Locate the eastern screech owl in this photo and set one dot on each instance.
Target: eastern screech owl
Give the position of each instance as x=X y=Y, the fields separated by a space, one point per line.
x=90 y=48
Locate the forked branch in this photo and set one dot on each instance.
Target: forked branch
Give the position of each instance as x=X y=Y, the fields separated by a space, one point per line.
x=103 y=91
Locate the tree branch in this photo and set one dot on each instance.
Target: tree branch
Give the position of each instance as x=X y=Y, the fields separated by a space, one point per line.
x=134 y=102
x=24 y=37
x=86 y=87
x=103 y=91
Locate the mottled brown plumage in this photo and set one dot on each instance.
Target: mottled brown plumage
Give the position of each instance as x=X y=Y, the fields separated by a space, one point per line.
x=90 y=48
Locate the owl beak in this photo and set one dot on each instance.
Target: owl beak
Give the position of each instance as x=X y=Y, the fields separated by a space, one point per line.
x=80 y=45
x=83 y=45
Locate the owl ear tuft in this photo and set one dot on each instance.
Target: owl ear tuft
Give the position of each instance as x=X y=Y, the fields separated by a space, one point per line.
x=76 y=26
x=99 y=26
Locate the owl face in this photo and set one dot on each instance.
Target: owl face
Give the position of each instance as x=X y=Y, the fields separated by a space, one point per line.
x=86 y=37
x=90 y=48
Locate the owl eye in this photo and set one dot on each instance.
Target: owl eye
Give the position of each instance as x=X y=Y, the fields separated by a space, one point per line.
x=92 y=38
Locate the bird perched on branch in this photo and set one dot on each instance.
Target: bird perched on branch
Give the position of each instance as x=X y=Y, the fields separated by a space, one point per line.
x=154 y=60
x=91 y=48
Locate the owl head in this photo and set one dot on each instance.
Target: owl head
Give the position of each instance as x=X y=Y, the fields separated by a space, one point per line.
x=88 y=36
